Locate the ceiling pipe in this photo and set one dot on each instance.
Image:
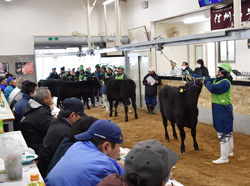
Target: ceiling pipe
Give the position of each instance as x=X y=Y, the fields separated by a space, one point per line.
x=105 y=21
x=118 y=22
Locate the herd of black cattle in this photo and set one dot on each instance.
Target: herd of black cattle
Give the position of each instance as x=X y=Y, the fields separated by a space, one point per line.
x=178 y=105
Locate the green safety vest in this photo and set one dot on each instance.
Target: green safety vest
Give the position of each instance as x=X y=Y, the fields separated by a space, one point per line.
x=80 y=77
x=222 y=99
x=119 y=77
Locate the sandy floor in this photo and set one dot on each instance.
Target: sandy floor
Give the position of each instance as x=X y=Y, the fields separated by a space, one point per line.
x=193 y=168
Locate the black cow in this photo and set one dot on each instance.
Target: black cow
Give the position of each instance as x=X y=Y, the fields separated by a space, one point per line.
x=80 y=89
x=179 y=105
x=52 y=84
x=121 y=91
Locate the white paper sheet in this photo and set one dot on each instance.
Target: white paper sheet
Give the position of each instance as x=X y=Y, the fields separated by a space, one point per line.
x=151 y=80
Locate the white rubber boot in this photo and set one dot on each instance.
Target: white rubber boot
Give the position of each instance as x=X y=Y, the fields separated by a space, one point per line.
x=224 y=150
x=231 y=146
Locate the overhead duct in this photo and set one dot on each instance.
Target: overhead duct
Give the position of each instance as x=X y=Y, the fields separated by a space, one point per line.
x=45 y=42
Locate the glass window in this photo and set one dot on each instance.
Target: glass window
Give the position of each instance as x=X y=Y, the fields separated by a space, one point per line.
x=227 y=51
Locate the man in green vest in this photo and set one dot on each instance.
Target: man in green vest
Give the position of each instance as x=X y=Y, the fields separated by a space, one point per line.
x=121 y=75
x=87 y=75
x=222 y=110
x=81 y=74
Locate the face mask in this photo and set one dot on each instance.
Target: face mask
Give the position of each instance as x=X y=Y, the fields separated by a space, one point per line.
x=199 y=65
x=183 y=67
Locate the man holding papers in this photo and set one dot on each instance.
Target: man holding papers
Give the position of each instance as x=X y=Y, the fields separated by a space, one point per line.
x=151 y=80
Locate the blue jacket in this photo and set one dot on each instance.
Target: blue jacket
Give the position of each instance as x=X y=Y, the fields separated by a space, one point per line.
x=83 y=164
x=7 y=92
x=20 y=106
x=3 y=87
x=222 y=114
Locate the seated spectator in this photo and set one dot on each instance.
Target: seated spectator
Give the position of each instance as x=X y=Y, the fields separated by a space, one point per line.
x=175 y=71
x=80 y=126
x=3 y=83
x=37 y=118
x=28 y=92
x=186 y=70
x=72 y=110
x=201 y=69
x=16 y=90
x=18 y=96
x=148 y=163
x=90 y=160
x=11 y=83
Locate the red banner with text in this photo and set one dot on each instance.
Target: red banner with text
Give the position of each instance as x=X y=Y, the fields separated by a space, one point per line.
x=224 y=17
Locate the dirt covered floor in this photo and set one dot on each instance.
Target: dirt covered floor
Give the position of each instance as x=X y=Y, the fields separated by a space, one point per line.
x=193 y=168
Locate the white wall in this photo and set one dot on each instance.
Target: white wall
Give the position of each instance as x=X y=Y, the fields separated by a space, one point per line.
x=22 y=19
x=158 y=9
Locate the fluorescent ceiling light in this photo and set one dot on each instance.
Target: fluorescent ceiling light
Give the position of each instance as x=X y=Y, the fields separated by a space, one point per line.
x=195 y=19
x=8 y=0
x=106 y=2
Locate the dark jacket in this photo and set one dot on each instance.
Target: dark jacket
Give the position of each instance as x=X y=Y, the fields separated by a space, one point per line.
x=114 y=180
x=53 y=76
x=202 y=71
x=20 y=106
x=151 y=90
x=60 y=151
x=35 y=124
x=58 y=129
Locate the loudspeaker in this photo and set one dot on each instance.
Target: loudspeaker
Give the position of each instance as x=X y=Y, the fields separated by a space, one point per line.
x=144 y=4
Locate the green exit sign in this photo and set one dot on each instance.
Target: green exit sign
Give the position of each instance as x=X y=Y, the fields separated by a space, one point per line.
x=53 y=38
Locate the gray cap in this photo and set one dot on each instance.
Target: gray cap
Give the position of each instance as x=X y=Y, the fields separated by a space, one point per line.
x=151 y=161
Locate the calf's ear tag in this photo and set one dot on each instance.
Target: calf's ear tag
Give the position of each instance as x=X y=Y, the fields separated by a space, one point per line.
x=181 y=90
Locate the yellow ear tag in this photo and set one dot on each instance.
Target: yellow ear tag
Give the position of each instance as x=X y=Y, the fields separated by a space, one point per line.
x=181 y=90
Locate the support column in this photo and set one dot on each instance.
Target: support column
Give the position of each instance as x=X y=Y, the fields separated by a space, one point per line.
x=105 y=21
x=118 y=22
x=237 y=13
x=88 y=24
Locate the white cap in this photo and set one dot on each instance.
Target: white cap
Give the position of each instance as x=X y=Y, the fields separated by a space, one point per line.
x=69 y=69
x=151 y=69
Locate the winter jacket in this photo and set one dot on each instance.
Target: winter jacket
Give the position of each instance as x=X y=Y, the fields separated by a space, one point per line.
x=13 y=94
x=3 y=87
x=58 y=129
x=83 y=164
x=53 y=76
x=7 y=92
x=35 y=124
x=222 y=113
x=151 y=90
x=114 y=180
x=20 y=107
x=202 y=71
x=65 y=144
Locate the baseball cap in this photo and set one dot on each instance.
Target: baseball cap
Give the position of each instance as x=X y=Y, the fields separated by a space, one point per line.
x=151 y=161
x=151 y=69
x=97 y=65
x=53 y=68
x=103 y=129
x=73 y=104
x=62 y=68
x=9 y=79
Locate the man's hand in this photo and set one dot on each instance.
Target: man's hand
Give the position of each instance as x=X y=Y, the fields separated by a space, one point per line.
x=156 y=81
x=149 y=83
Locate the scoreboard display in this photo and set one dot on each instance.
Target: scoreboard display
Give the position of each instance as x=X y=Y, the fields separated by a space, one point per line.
x=209 y=2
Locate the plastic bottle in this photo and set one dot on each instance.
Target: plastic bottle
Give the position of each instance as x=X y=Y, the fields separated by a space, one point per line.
x=1 y=102
x=34 y=178
x=1 y=126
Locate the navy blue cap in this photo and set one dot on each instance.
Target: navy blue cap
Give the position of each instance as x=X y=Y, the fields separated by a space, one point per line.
x=63 y=68
x=9 y=79
x=103 y=129
x=73 y=104
x=53 y=68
